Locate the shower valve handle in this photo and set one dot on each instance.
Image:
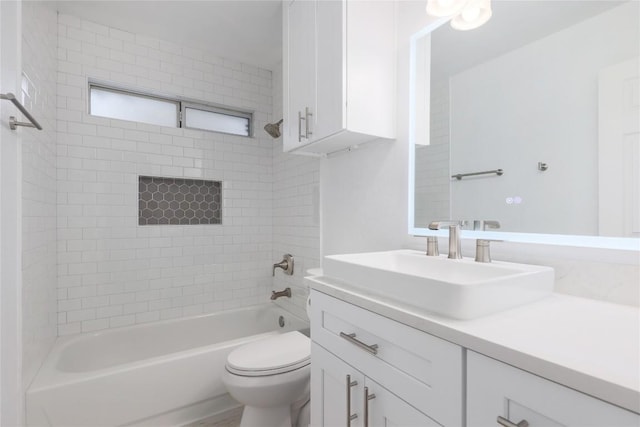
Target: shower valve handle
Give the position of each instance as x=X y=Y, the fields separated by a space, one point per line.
x=286 y=265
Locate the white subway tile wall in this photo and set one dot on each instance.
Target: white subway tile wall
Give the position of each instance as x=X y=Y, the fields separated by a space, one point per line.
x=113 y=272
x=39 y=311
x=296 y=213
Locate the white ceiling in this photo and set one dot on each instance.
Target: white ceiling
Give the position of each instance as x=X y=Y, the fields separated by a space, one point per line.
x=513 y=24
x=249 y=31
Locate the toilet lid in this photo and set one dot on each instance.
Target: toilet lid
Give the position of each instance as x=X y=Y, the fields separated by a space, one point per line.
x=270 y=356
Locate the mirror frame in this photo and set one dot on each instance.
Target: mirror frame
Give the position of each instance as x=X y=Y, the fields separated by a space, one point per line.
x=621 y=243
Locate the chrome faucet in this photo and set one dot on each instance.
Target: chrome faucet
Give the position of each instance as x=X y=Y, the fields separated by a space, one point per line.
x=455 y=249
x=286 y=293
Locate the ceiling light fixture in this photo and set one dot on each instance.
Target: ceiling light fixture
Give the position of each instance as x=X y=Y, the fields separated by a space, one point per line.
x=474 y=14
x=441 y=8
x=466 y=14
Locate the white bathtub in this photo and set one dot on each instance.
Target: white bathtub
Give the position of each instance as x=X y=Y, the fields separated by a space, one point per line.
x=160 y=374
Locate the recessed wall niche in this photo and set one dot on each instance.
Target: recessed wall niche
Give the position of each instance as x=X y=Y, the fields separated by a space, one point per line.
x=178 y=201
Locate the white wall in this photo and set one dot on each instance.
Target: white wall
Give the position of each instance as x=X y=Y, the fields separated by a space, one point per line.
x=39 y=245
x=113 y=272
x=296 y=212
x=364 y=206
x=28 y=216
x=501 y=118
x=11 y=402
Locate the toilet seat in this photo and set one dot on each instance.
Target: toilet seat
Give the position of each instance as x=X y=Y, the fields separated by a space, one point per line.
x=271 y=356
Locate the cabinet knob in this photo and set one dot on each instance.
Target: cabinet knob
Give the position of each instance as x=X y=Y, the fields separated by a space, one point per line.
x=506 y=423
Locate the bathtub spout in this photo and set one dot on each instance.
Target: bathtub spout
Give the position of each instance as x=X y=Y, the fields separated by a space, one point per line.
x=285 y=293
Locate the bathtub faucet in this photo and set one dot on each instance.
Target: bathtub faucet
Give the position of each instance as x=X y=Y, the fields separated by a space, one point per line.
x=285 y=293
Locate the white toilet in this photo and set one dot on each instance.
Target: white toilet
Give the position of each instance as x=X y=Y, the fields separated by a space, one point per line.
x=269 y=376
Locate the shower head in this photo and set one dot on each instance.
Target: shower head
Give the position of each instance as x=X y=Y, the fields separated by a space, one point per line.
x=273 y=129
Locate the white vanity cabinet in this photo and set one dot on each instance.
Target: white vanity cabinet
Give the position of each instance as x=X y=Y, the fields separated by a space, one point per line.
x=342 y=391
x=497 y=389
x=416 y=378
x=338 y=73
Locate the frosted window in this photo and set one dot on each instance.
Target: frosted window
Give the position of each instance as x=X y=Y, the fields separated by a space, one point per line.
x=137 y=108
x=122 y=104
x=217 y=121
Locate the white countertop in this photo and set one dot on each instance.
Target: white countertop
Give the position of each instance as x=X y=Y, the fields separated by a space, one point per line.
x=590 y=346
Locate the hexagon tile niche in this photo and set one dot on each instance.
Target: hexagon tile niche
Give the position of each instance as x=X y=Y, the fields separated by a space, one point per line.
x=178 y=201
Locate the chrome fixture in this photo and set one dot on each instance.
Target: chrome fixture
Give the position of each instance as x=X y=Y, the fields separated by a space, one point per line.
x=273 y=129
x=367 y=398
x=483 y=224
x=373 y=348
x=286 y=265
x=455 y=251
x=306 y=119
x=506 y=423
x=483 y=253
x=350 y=417
x=459 y=176
x=13 y=123
x=432 y=246
x=542 y=166
x=286 y=293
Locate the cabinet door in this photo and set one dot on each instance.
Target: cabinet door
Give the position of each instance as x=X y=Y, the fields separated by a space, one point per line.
x=330 y=115
x=384 y=408
x=299 y=74
x=496 y=389
x=333 y=398
x=425 y=371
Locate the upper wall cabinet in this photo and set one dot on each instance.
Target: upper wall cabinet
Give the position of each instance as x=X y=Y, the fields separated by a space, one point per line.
x=339 y=74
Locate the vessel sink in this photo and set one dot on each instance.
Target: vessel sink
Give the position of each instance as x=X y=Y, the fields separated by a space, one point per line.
x=456 y=288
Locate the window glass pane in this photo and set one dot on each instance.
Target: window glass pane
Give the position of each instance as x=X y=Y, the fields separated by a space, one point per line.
x=219 y=122
x=127 y=106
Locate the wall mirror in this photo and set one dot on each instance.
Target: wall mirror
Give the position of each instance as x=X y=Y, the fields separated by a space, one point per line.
x=545 y=92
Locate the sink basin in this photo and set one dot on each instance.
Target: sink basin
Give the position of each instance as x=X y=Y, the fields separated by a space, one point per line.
x=461 y=289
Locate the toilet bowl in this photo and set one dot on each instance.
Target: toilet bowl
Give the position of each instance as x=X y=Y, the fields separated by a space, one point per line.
x=268 y=376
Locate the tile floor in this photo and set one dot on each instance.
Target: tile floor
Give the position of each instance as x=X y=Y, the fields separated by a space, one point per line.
x=228 y=419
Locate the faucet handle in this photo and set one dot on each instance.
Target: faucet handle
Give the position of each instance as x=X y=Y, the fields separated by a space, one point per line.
x=286 y=265
x=432 y=246
x=483 y=252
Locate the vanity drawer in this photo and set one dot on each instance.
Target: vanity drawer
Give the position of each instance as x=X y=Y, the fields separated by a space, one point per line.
x=425 y=371
x=495 y=389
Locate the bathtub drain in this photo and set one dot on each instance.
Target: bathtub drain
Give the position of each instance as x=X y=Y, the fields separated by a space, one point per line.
x=281 y=321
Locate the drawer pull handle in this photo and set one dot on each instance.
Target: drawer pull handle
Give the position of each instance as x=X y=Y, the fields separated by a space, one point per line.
x=373 y=348
x=506 y=423
x=367 y=398
x=349 y=385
